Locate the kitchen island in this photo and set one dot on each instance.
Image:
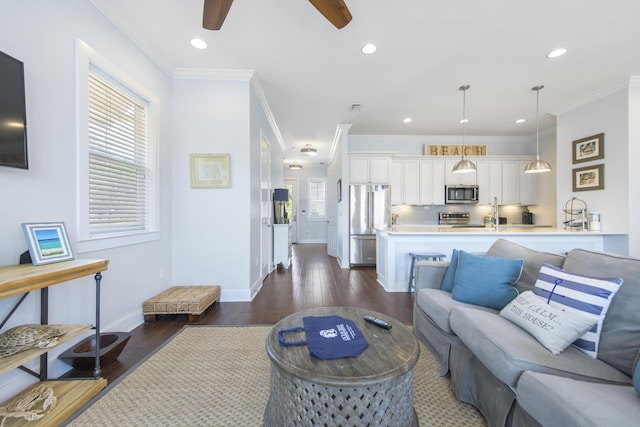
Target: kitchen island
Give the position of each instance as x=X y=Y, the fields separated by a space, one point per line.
x=394 y=245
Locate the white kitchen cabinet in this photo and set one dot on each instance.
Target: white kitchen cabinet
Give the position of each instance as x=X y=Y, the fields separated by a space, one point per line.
x=282 y=244
x=411 y=182
x=489 y=178
x=458 y=178
x=527 y=185
x=517 y=186
x=369 y=169
x=432 y=182
x=405 y=182
x=397 y=196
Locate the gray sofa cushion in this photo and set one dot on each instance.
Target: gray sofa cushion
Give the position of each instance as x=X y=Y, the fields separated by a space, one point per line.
x=553 y=400
x=620 y=336
x=533 y=260
x=507 y=351
x=437 y=305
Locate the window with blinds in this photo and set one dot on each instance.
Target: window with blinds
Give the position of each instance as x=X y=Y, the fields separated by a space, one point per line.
x=317 y=199
x=119 y=158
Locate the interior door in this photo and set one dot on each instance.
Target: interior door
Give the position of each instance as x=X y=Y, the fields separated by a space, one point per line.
x=292 y=206
x=265 y=202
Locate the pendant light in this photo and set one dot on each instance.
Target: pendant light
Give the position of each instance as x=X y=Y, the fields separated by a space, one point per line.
x=295 y=165
x=464 y=165
x=537 y=165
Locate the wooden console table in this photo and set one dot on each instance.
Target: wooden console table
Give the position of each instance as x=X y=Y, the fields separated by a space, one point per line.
x=22 y=279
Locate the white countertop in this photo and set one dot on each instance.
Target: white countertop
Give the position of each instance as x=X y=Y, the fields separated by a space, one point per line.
x=505 y=230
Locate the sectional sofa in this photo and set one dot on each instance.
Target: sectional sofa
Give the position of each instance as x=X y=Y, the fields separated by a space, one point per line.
x=517 y=353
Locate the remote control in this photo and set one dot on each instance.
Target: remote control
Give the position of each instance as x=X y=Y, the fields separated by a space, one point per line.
x=378 y=322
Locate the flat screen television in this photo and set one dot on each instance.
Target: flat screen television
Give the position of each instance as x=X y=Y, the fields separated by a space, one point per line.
x=13 y=117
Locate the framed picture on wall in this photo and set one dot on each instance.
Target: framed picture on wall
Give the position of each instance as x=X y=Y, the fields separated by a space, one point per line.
x=48 y=242
x=589 y=148
x=588 y=178
x=210 y=171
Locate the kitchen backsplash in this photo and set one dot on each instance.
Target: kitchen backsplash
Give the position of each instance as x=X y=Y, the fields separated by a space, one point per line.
x=428 y=215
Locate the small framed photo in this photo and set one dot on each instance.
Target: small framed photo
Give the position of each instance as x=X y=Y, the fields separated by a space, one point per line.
x=210 y=171
x=48 y=242
x=588 y=178
x=589 y=148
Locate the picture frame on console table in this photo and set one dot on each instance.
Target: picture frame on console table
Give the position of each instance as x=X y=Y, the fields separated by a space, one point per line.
x=48 y=242
x=210 y=171
x=589 y=148
x=588 y=178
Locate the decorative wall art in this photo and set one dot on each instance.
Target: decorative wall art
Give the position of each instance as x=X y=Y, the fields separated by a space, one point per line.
x=210 y=171
x=589 y=148
x=48 y=242
x=588 y=178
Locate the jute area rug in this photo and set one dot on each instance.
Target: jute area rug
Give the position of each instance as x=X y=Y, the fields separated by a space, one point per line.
x=219 y=376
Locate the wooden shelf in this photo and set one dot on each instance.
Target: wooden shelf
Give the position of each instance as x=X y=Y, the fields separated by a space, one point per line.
x=22 y=279
x=18 y=359
x=19 y=279
x=71 y=394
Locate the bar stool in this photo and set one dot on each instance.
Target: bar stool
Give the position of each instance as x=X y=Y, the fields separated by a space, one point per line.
x=433 y=256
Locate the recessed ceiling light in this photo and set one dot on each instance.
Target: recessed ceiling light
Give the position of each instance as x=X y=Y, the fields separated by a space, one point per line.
x=198 y=43
x=464 y=120
x=521 y=121
x=407 y=120
x=369 y=48
x=557 y=52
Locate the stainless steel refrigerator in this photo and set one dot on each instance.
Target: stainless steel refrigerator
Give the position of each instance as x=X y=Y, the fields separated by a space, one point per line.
x=369 y=208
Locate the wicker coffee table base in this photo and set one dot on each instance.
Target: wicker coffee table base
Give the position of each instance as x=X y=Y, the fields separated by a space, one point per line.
x=294 y=401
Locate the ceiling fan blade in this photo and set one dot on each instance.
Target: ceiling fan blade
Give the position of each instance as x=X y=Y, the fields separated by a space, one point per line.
x=215 y=11
x=334 y=10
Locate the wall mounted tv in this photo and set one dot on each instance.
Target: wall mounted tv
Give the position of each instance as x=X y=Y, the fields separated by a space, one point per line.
x=13 y=120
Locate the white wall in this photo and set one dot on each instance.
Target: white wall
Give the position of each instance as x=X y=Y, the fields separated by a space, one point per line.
x=211 y=225
x=414 y=144
x=42 y=34
x=609 y=114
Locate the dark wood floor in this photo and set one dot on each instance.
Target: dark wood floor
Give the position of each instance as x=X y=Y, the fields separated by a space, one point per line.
x=314 y=280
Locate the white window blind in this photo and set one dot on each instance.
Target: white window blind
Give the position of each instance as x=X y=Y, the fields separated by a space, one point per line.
x=317 y=199
x=118 y=159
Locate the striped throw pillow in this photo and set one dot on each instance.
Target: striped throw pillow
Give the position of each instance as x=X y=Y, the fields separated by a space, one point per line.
x=573 y=292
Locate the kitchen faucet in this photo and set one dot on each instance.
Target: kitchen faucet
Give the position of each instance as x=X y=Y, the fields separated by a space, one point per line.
x=496 y=218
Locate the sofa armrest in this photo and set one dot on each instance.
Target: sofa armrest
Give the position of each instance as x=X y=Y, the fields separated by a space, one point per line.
x=429 y=274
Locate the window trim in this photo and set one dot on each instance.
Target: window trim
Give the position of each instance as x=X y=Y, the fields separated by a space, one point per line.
x=309 y=182
x=87 y=58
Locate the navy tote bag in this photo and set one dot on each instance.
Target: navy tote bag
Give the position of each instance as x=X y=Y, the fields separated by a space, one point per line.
x=328 y=337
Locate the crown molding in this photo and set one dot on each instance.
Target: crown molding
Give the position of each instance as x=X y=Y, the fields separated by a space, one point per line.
x=257 y=87
x=633 y=81
x=213 y=74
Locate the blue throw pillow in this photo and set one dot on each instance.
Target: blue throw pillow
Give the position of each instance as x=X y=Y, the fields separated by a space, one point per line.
x=447 y=280
x=485 y=280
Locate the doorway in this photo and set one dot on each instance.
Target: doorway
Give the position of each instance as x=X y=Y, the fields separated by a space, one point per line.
x=291 y=184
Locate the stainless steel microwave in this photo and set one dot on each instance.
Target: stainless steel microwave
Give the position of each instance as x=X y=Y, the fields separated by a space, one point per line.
x=460 y=194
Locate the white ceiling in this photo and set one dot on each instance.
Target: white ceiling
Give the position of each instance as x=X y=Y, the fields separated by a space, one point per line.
x=311 y=72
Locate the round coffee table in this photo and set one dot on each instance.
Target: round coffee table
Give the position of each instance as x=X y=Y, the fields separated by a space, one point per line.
x=374 y=388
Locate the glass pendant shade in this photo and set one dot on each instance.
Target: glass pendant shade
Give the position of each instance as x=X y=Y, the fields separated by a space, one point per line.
x=537 y=165
x=464 y=165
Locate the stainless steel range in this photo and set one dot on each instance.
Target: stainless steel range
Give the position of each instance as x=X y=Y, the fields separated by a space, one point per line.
x=454 y=218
